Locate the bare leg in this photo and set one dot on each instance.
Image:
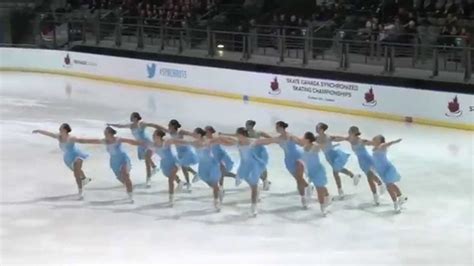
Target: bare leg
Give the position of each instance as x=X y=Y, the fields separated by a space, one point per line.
x=78 y=174
x=171 y=179
x=347 y=172
x=223 y=170
x=185 y=171
x=215 y=190
x=300 y=181
x=322 y=193
x=372 y=179
x=254 y=194
x=392 y=191
x=148 y=163
x=397 y=190
x=337 y=178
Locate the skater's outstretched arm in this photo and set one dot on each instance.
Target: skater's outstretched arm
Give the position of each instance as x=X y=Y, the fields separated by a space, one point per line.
x=131 y=141
x=339 y=139
x=155 y=126
x=46 y=133
x=227 y=141
x=183 y=132
x=119 y=125
x=264 y=135
x=227 y=134
x=367 y=142
x=88 y=141
x=297 y=140
x=268 y=141
x=390 y=143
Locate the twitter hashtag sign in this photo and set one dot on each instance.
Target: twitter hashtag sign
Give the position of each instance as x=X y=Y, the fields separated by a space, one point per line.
x=151 y=70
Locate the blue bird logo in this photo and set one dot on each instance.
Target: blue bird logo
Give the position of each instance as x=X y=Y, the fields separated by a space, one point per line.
x=151 y=69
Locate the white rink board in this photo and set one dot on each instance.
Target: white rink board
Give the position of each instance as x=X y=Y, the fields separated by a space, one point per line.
x=430 y=107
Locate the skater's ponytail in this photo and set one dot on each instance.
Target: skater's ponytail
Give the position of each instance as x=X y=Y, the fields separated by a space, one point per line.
x=135 y=115
x=210 y=129
x=175 y=124
x=281 y=124
x=322 y=126
x=66 y=127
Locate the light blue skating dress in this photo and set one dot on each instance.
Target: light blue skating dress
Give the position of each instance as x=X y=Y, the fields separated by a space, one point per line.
x=314 y=169
x=251 y=166
x=209 y=169
x=186 y=155
x=366 y=163
x=71 y=153
x=260 y=150
x=335 y=157
x=140 y=135
x=118 y=158
x=222 y=156
x=384 y=167
x=168 y=161
x=292 y=155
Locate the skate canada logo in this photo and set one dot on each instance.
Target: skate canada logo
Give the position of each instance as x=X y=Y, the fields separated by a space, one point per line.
x=454 y=108
x=275 y=87
x=67 y=61
x=369 y=98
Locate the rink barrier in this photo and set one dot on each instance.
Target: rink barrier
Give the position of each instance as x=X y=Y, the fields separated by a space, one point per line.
x=235 y=96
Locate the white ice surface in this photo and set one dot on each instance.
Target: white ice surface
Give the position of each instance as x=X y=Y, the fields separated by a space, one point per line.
x=42 y=223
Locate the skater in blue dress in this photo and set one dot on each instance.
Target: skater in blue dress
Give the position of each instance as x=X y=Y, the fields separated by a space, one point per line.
x=366 y=162
x=119 y=161
x=186 y=154
x=387 y=171
x=314 y=169
x=72 y=156
x=261 y=150
x=168 y=162
x=137 y=127
x=209 y=168
x=251 y=163
x=335 y=157
x=221 y=155
x=293 y=159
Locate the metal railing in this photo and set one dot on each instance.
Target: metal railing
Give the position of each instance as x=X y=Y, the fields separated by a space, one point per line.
x=301 y=46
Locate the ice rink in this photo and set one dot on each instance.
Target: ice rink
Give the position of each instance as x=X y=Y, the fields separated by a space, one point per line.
x=42 y=223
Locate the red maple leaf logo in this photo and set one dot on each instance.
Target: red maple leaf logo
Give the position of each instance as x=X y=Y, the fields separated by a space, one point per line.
x=453 y=106
x=369 y=96
x=274 y=85
x=67 y=60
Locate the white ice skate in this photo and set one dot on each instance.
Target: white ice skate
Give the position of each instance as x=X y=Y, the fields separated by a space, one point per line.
x=340 y=192
x=171 y=200
x=85 y=181
x=253 y=210
x=80 y=195
x=179 y=187
x=401 y=201
x=196 y=178
x=396 y=207
x=381 y=189
x=376 y=199
x=266 y=185
x=217 y=205
x=130 y=197
x=221 y=194
x=188 y=187
x=148 y=183
x=304 y=202
x=325 y=206
x=356 y=179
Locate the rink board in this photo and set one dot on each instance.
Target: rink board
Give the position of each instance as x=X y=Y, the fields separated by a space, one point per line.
x=436 y=108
